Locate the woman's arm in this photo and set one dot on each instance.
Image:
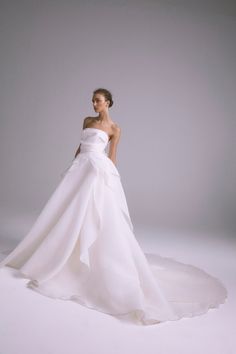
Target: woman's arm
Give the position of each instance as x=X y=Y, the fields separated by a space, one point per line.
x=113 y=144
x=84 y=126
x=78 y=151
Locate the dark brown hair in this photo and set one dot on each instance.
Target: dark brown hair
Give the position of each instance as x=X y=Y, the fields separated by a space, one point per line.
x=107 y=94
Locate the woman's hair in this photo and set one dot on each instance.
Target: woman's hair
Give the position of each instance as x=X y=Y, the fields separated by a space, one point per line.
x=107 y=94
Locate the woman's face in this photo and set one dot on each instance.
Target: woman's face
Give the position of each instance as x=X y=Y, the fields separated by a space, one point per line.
x=99 y=103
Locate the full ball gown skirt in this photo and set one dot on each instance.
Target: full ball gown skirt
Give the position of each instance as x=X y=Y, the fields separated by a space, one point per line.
x=82 y=247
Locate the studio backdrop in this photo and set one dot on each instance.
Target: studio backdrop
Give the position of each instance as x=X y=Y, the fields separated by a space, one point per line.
x=170 y=66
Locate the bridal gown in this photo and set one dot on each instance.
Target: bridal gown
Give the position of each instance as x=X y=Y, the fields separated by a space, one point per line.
x=82 y=248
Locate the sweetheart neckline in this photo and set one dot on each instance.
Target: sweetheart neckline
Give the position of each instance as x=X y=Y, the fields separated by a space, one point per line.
x=100 y=130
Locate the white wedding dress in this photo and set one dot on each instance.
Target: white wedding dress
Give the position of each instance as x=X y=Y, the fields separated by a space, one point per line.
x=82 y=248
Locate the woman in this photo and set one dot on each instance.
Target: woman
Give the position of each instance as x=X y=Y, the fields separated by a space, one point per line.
x=102 y=100
x=82 y=246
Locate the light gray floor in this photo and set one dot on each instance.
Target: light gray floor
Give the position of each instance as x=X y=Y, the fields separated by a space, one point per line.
x=34 y=324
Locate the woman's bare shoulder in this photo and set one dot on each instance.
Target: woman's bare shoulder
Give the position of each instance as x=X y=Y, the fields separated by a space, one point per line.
x=115 y=131
x=115 y=127
x=87 y=120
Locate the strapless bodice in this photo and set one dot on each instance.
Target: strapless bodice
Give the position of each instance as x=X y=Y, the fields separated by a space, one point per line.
x=93 y=140
x=92 y=146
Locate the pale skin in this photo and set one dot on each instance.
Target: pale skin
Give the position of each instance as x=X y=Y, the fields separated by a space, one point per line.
x=104 y=122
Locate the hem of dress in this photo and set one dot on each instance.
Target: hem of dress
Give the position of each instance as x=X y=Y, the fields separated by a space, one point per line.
x=136 y=316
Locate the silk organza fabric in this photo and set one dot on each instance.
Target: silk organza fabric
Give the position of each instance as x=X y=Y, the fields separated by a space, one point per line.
x=82 y=248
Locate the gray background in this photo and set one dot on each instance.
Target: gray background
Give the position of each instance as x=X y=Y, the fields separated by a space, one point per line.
x=171 y=68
